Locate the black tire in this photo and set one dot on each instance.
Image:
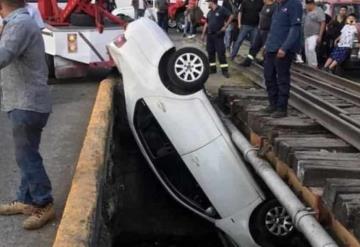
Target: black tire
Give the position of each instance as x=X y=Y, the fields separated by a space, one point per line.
x=188 y=69
x=51 y=65
x=263 y=232
x=180 y=21
x=172 y=23
x=125 y=18
x=82 y=20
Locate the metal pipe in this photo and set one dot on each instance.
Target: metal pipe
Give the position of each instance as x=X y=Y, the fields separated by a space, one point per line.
x=302 y=216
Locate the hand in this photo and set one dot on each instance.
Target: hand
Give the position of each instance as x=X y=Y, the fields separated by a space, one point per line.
x=223 y=29
x=281 y=53
x=239 y=26
x=203 y=37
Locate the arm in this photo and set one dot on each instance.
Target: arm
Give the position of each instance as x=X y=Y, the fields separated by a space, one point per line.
x=229 y=20
x=204 y=32
x=239 y=19
x=13 y=42
x=295 y=30
x=293 y=36
x=322 y=31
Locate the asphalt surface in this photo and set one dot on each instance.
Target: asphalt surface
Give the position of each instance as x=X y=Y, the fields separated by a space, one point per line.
x=60 y=147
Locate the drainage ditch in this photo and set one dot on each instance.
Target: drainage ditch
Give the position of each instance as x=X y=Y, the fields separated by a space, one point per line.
x=136 y=210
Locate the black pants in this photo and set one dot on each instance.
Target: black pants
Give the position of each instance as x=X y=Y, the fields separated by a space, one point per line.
x=163 y=21
x=215 y=46
x=277 y=79
x=258 y=43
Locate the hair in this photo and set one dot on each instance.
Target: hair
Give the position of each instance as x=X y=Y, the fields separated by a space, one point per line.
x=352 y=14
x=213 y=1
x=14 y=3
x=343 y=7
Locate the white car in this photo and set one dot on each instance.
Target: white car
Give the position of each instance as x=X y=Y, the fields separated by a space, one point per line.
x=184 y=141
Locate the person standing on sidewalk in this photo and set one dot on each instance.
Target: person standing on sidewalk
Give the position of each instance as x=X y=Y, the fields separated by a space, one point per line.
x=26 y=99
x=314 y=28
x=139 y=8
x=261 y=36
x=282 y=43
x=248 y=21
x=218 y=19
x=162 y=13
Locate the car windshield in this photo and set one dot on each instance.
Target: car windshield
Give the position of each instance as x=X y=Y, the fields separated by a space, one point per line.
x=352 y=8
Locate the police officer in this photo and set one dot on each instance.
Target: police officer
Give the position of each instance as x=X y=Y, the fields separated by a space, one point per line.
x=218 y=19
x=282 y=43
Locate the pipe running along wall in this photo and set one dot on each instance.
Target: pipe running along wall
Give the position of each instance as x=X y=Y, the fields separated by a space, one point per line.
x=302 y=217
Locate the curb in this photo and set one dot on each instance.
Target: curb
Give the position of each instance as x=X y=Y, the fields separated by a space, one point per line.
x=76 y=224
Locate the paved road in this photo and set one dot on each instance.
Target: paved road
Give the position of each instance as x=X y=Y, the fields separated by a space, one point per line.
x=62 y=141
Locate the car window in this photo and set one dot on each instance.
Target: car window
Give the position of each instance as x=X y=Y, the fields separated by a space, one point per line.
x=168 y=163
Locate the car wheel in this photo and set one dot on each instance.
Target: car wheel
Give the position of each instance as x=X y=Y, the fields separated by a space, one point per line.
x=172 y=23
x=180 y=21
x=188 y=69
x=273 y=224
x=82 y=20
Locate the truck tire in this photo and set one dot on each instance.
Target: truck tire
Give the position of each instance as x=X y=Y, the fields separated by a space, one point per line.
x=82 y=20
x=188 y=69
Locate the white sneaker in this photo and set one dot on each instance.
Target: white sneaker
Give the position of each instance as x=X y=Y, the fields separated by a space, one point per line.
x=298 y=59
x=191 y=36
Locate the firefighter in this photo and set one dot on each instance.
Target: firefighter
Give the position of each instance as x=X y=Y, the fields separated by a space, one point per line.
x=218 y=19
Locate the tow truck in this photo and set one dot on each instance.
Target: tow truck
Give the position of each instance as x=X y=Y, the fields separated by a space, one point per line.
x=76 y=35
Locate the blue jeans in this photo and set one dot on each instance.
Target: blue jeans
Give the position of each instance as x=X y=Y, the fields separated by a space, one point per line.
x=188 y=25
x=227 y=38
x=245 y=31
x=35 y=186
x=163 y=21
x=277 y=79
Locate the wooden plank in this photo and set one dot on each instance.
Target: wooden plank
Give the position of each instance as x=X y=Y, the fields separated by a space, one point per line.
x=346 y=207
x=323 y=155
x=315 y=172
x=337 y=186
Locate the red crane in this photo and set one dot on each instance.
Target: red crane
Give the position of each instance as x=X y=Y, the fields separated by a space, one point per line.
x=54 y=15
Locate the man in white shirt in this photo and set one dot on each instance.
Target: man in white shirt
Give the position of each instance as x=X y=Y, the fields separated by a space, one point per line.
x=314 y=28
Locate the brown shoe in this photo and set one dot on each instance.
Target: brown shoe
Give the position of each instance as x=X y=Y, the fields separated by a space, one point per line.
x=16 y=207
x=39 y=217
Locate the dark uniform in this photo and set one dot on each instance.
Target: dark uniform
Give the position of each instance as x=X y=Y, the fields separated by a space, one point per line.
x=215 y=37
x=284 y=34
x=261 y=36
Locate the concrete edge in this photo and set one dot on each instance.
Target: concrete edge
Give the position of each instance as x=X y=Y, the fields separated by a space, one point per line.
x=75 y=227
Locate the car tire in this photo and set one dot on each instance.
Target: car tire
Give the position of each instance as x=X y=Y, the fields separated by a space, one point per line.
x=82 y=20
x=273 y=224
x=188 y=69
x=172 y=23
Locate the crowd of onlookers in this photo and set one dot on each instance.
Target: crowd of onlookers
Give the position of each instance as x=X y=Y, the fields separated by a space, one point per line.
x=326 y=41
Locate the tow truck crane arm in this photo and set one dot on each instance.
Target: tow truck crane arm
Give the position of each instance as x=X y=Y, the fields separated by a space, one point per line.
x=54 y=15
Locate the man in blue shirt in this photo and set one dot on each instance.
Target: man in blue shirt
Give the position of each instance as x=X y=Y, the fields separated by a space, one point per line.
x=282 y=43
x=26 y=99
